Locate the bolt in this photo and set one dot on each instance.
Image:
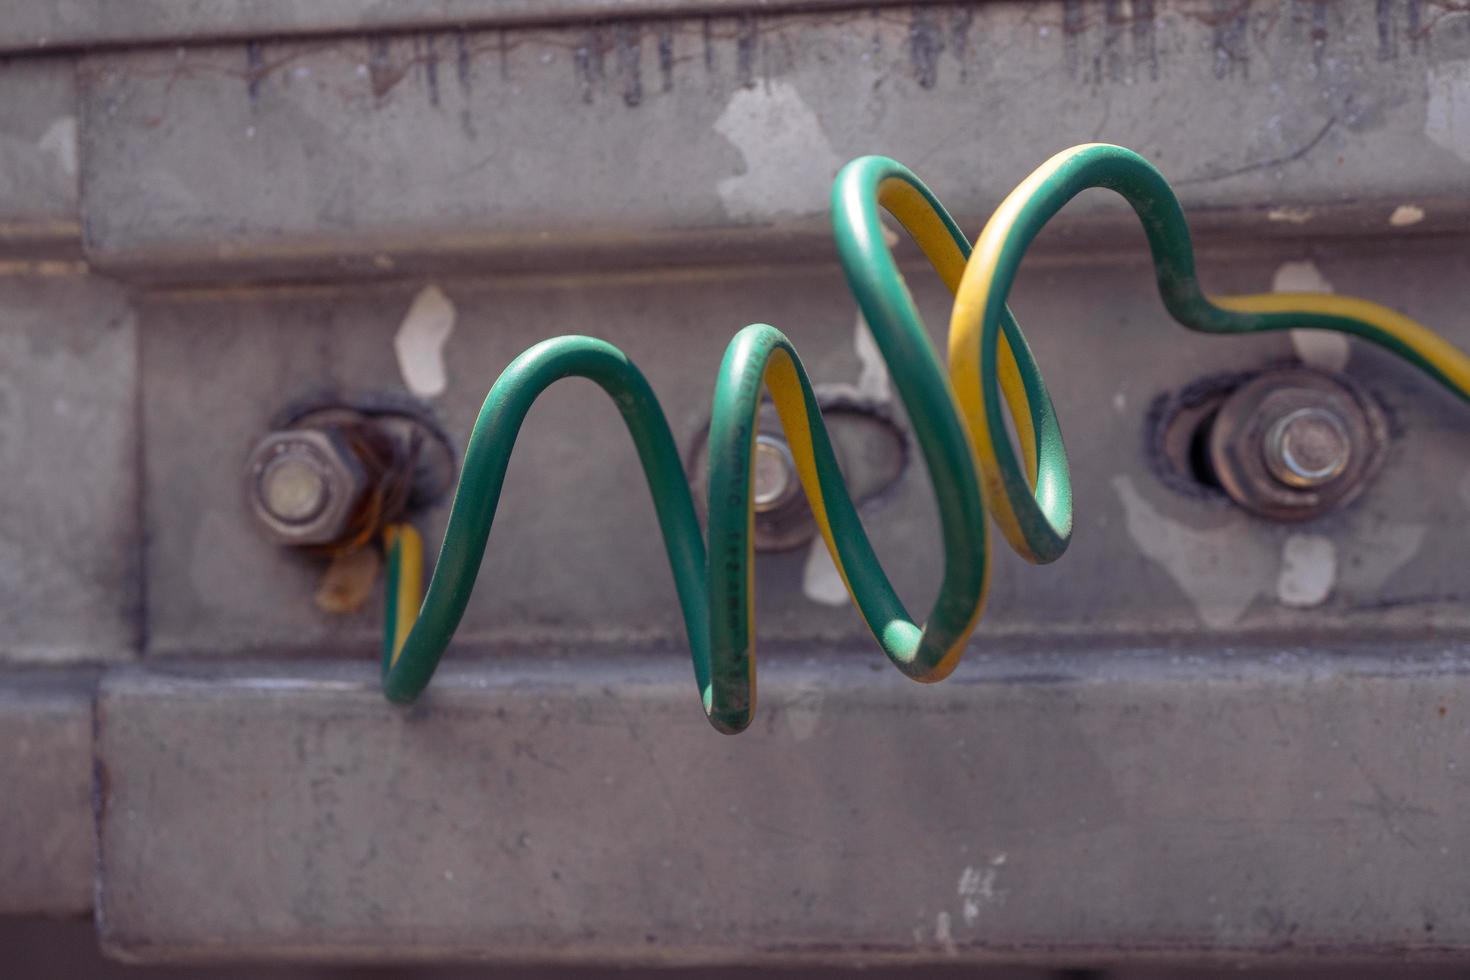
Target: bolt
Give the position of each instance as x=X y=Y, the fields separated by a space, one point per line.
x=1307 y=447
x=293 y=489
x=775 y=473
x=1292 y=444
x=305 y=484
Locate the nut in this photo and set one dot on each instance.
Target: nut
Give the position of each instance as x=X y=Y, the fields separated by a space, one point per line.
x=304 y=485
x=1295 y=443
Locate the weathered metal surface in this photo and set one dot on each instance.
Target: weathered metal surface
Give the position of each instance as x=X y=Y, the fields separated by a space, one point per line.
x=689 y=139
x=575 y=557
x=38 y=158
x=46 y=851
x=71 y=582
x=1038 y=803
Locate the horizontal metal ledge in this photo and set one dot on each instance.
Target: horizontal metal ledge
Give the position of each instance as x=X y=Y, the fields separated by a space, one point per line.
x=96 y=23
x=1091 y=238
x=1037 y=805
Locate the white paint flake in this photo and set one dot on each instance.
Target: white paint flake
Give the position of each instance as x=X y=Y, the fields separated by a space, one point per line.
x=1447 y=116
x=419 y=343
x=977 y=888
x=942 y=933
x=820 y=580
x=1405 y=215
x=60 y=142
x=804 y=713
x=1322 y=349
x=1290 y=215
x=789 y=162
x=1308 y=571
x=873 y=382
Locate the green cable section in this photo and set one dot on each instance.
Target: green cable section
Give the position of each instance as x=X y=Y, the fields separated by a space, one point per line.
x=715 y=589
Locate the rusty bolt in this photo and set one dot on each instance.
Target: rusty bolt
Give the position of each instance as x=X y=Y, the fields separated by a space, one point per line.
x=1295 y=443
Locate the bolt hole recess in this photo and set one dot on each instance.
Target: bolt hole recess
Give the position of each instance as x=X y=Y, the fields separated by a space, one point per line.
x=1177 y=435
x=1215 y=438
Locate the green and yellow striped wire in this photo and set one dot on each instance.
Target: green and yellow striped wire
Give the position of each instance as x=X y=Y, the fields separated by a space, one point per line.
x=956 y=414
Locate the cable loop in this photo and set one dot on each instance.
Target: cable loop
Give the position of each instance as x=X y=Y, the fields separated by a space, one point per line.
x=957 y=413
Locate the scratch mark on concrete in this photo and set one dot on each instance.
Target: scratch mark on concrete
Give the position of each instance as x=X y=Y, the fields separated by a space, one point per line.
x=1281 y=161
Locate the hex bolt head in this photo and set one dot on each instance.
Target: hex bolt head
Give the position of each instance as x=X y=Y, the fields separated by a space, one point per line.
x=293 y=488
x=775 y=478
x=304 y=485
x=1307 y=447
x=1292 y=444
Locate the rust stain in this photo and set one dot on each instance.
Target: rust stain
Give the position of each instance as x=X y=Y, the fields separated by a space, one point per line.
x=745 y=43
x=666 y=56
x=926 y=44
x=961 y=20
x=254 y=69
x=630 y=63
x=383 y=73
x=1231 y=38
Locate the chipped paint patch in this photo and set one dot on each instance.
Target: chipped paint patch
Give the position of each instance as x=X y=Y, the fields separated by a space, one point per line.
x=1380 y=551
x=1405 y=215
x=419 y=342
x=820 y=580
x=1447 y=116
x=789 y=162
x=1290 y=215
x=804 y=713
x=977 y=887
x=942 y=933
x=60 y=143
x=1221 y=570
x=1322 y=349
x=1308 y=571
x=873 y=382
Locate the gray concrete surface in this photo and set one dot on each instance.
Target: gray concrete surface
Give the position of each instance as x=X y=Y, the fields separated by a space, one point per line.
x=691 y=139
x=71 y=580
x=38 y=159
x=1269 y=774
x=1041 y=803
x=47 y=857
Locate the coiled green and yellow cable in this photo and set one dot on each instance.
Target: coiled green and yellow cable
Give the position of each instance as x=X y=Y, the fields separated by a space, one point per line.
x=956 y=414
